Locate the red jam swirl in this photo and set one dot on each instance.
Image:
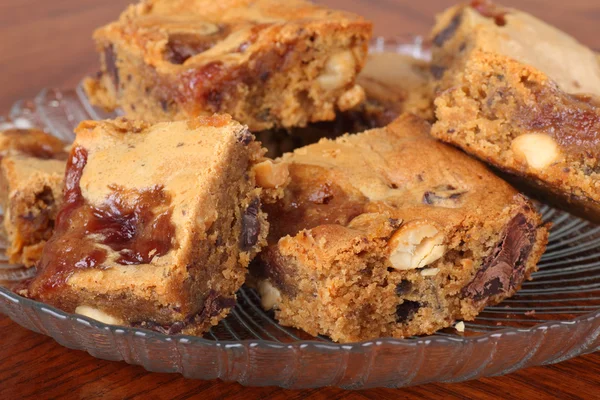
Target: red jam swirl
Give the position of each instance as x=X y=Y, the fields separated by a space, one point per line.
x=137 y=230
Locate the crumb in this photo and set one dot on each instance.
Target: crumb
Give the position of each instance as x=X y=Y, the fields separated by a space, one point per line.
x=460 y=326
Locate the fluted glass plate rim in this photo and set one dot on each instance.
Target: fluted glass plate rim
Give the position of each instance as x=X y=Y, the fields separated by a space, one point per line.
x=13 y=297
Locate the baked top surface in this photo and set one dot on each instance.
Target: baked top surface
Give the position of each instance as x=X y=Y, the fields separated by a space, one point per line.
x=399 y=171
x=198 y=32
x=137 y=194
x=512 y=33
x=181 y=157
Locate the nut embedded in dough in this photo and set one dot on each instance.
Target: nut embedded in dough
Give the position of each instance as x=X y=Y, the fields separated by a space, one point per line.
x=270 y=296
x=270 y=175
x=416 y=245
x=98 y=315
x=338 y=71
x=536 y=149
x=351 y=98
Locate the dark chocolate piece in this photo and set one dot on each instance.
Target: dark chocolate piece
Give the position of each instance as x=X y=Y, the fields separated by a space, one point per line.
x=250 y=226
x=445 y=34
x=110 y=60
x=245 y=136
x=443 y=195
x=437 y=71
x=403 y=288
x=407 y=310
x=214 y=304
x=504 y=268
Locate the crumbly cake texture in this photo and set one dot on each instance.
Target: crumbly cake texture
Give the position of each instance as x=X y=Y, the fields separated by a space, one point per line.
x=392 y=233
x=394 y=84
x=267 y=63
x=158 y=223
x=31 y=174
x=522 y=96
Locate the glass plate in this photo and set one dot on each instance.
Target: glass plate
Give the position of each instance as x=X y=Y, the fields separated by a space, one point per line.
x=554 y=317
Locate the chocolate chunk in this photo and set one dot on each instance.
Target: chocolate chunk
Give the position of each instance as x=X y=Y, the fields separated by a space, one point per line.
x=110 y=61
x=395 y=223
x=182 y=46
x=407 y=310
x=245 y=137
x=176 y=328
x=437 y=71
x=443 y=196
x=213 y=305
x=250 y=226
x=403 y=287
x=504 y=268
x=46 y=196
x=172 y=329
x=273 y=266
x=164 y=104
x=445 y=34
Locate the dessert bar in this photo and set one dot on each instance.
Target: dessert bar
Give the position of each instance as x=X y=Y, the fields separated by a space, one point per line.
x=522 y=96
x=267 y=63
x=392 y=233
x=158 y=223
x=32 y=168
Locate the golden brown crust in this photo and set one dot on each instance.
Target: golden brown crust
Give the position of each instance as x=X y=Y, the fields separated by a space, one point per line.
x=265 y=63
x=513 y=104
x=166 y=218
x=354 y=202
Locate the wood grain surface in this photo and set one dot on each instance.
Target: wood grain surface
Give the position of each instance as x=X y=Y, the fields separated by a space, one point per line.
x=47 y=44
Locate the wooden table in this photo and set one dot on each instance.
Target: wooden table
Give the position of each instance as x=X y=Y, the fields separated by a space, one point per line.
x=47 y=43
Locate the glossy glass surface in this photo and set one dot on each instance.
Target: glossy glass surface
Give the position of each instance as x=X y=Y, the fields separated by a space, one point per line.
x=554 y=317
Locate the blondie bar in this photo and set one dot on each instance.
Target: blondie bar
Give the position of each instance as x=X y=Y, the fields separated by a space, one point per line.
x=32 y=168
x=158 y=223
x=392 y=233
x=522 y=96
x=267 y=63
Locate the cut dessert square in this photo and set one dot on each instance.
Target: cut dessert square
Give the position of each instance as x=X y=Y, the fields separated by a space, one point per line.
x=267 y=63
x=158 y=223
x=32 y=168
x=522 y=96
x=392 y=233
x=394 y=84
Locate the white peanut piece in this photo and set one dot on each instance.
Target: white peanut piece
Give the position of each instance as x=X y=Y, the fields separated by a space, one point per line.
x=270 y=296
x=270 y=175
x=536 y=149
x=98 y=315
x=351 y=98
x=415 y=246
x=338 y=71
